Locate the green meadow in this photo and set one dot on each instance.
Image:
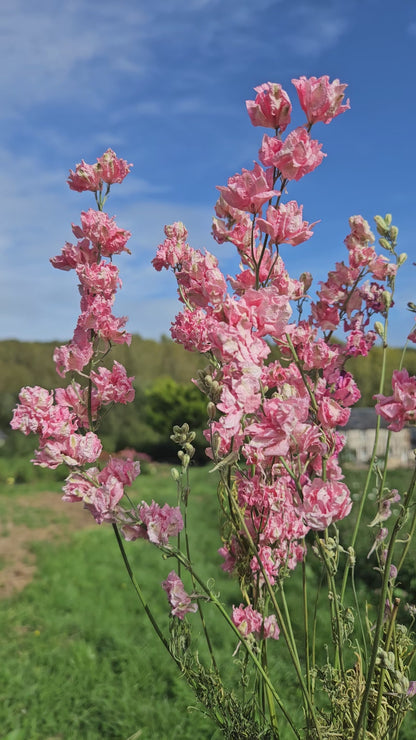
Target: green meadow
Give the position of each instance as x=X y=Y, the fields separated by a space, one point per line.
x=78 y=657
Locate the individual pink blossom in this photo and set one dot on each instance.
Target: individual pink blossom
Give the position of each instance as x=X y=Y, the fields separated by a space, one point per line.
x=76 y=398
x=102 y=500
x=97 y=317
x=320 y=99
x=325 y=502
x=126 y=471
x=73 y=450
x=189 y=329
x=270 y=310
x=247 y=620
x=400 y=408
x=271 y=108
x=113 y=386
x=102 y=277
x=270 y=627
x=103 y=232
x=85 y=177
x=75 y=355
x=285 y=224
x=34 y=406
x=78 y=486
x=270 y=147
x=160 y=523
x=179 y=600
x=249 y=190
x=111 y=168
x=299 y=155
x=359 y=343
x=73 y=256
x=331 y=413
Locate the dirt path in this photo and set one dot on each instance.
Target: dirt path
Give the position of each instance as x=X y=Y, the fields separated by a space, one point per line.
x=17 y=562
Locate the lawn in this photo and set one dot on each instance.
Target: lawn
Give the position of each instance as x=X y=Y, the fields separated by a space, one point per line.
x=78 y=658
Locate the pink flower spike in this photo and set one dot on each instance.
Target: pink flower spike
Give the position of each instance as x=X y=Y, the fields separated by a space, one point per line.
x=179 y=600
x=271 y=108
x=320 y=99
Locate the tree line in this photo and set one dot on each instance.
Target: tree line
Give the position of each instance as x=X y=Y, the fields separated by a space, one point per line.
x=165 y=394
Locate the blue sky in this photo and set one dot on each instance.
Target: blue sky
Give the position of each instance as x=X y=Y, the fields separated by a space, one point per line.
x=163 y=83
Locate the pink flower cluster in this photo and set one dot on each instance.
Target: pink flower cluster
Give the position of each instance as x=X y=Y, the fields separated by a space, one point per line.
x=66 y=419
x=109 y=169
x=250 y=622
x=400 y=408
x=281 y=420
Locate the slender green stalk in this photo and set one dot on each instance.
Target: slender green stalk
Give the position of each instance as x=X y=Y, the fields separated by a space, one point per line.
x=382 y=669
x=140 y=593
x=188 y=555
x=368 y=477
x=379 y=625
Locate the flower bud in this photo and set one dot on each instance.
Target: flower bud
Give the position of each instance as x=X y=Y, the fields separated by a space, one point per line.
x=387 y=298
x=401 y=259
x=393 y=233
x=381 y=225
x=175 y=474
x=211 y=410
x=379 y=329
x=385 y=244
x=306 y=278
x=388 y=218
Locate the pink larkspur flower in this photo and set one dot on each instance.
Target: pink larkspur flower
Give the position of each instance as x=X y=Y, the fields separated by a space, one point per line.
x=271 y=107
x=285 y=224
x=320 y=99
x=400 y=408
x=179 y=600
x=325 y=502
x=249 y=190
x=299 y=155
x=113 y=386
x=103 y=232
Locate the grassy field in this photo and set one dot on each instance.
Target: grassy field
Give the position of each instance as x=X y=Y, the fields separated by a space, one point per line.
x=79 y=660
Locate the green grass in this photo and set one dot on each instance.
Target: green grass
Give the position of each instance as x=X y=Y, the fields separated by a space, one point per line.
x=78 y=658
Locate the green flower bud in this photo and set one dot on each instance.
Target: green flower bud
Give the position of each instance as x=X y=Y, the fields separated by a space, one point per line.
x=211 y=410
x=385 y=244
x=388 y=218
x=393 y=233
x=379 y=329
x=175 y=474
x=387 y=299
x=381 y=225
x=401 y=259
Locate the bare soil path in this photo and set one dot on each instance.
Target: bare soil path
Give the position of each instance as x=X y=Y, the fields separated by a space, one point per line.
x=48 y=518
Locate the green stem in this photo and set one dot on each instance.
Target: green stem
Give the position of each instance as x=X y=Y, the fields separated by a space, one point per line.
x=379 y=625
x=306 y=626
x=140 y=594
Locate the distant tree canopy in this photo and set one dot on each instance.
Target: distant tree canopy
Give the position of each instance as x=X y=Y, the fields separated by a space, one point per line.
x=165 y=394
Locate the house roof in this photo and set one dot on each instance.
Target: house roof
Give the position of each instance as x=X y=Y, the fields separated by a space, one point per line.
x=363 y=418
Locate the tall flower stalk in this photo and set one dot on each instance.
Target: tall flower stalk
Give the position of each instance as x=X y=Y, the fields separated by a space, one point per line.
x=274 y=435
